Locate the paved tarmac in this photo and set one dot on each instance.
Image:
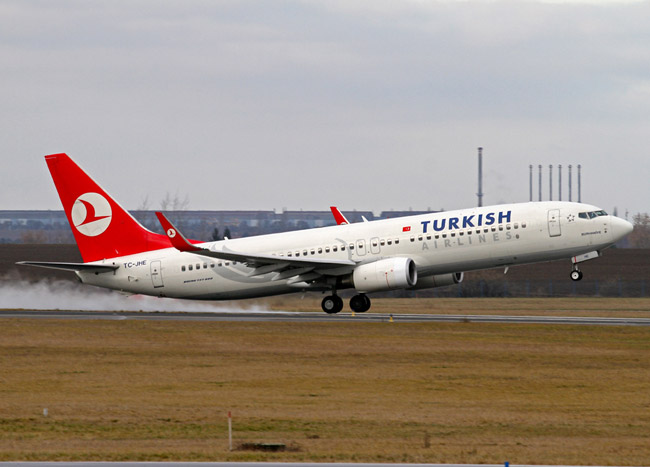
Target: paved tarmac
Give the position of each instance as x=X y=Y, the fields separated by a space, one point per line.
x=281 y=316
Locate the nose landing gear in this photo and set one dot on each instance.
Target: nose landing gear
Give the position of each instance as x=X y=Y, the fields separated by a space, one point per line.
x=576 y=274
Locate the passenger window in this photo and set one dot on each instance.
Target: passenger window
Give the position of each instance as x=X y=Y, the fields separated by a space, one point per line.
x=212 y=265
x=183 y=268
x=389 y=242
x=494 y=229
x=444 y=235
x=507 y=226
x=297 y=253
x=461 y=233
x=342 y=247
x=469 y=232
x=486 y=230
x=320 y=250
x=420 y=237
x=428 y=237
x=453 y=234
x=501 y=227
x=205 y=265
x=198 y=266
x=191 y=268
x=412 y=238
x=437 y=236
x=397 y=241
x=327 y=249
x=313 y=252
x=351 y=246
x=335 y=248
x=523 y=225
x=289 y=254
x=382 y=242
x=516 y=225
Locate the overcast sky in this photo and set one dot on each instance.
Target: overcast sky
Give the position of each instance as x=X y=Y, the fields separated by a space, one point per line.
x=288 y=104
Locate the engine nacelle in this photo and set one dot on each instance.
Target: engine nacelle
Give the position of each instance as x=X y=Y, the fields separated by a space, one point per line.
x=440 y=280
x=385 y=274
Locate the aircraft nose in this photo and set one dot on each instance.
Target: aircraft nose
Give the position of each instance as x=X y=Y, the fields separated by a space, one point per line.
x=620 y=228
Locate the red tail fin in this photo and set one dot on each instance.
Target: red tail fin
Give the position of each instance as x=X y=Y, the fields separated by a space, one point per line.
x=101 y=227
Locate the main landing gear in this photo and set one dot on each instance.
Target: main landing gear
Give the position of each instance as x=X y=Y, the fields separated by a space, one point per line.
x=333 y=303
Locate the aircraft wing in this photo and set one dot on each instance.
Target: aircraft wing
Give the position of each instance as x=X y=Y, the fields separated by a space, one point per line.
x=286 y=267
x=71 y=266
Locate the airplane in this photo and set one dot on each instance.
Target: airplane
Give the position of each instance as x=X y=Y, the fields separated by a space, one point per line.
x=414 y=252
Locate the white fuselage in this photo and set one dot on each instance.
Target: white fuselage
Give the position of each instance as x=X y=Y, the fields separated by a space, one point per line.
x=440 y=243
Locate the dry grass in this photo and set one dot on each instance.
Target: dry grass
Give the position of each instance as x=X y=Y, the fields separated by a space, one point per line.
x=474 y=393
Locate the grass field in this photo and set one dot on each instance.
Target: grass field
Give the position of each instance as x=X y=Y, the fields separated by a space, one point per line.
x=443 y=392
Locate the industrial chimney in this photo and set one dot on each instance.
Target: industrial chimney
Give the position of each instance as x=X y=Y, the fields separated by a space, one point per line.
x=480 y=177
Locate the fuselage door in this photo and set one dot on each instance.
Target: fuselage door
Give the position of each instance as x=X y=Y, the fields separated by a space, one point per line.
x=374 y=246
x=554 y=229
x=361 y=247
x=156 y=274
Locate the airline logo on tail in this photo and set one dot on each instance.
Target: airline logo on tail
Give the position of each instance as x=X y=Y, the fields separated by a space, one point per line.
x=91 y=214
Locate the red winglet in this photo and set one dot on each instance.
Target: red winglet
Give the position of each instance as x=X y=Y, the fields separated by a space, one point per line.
x=340 y=218
x=175 y=236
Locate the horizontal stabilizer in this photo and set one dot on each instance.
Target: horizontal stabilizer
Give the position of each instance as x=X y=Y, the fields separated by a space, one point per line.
x=71 y=266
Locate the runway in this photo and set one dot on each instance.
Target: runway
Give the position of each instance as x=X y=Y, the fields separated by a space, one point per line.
x=281 y=316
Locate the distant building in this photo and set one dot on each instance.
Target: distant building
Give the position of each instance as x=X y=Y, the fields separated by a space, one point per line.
x=53 y=227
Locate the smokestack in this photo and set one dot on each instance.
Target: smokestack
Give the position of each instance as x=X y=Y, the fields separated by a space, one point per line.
x=570 y=166
x=579 y=185
x=530 y=181
x=550 y=182
x=559 y=182
x=480 y=177
x=540 y=181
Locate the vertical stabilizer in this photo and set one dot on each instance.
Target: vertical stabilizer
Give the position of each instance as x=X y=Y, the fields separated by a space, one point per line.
x=101 y=227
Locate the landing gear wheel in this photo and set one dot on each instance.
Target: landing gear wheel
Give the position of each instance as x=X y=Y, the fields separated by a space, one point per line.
x=332 y=304
x=576 y=275
x=360 y=303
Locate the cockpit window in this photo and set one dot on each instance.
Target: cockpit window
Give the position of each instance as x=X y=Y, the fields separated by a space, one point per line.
x=591 y=215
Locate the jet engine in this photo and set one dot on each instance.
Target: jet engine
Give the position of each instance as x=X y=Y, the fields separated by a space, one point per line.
x=439 y=280
x=385 y=274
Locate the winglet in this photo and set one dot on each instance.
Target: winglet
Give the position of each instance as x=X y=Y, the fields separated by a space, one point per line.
x=340 y=218
x=175 y=236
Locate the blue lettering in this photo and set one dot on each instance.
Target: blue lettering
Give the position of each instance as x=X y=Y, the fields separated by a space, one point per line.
x=480 y=220
x=467 y=221
x=424 y=226
x=489 y=219
x=453 y=223
x=504 y=217
x=442 y=225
